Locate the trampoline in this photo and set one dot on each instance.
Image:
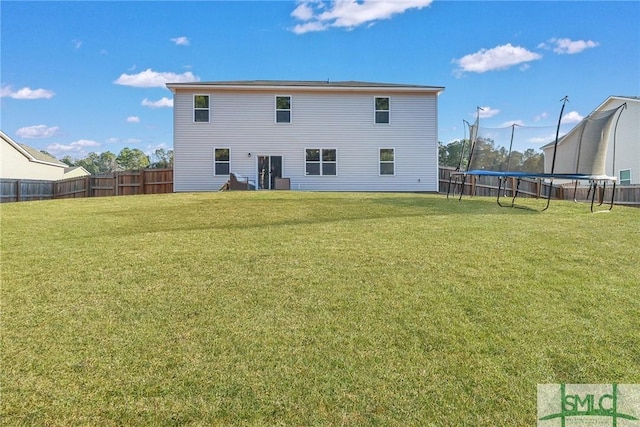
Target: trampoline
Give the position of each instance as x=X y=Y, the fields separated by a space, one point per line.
x=582 y=151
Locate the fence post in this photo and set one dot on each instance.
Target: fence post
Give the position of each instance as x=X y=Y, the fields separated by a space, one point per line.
x=141 y=181
x=115 y=183
x=18 y=185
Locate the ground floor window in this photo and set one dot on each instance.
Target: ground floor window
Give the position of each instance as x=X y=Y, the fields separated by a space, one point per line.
x=387 y=161
x=321 y=161
x=625 y=177
x=221 y=161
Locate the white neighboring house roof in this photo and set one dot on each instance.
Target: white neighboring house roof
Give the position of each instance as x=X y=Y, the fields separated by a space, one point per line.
x=59 y=170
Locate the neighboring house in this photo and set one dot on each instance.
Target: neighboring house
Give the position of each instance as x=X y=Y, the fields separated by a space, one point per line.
x=627 y=142
x=326 y=136
x=19 y=161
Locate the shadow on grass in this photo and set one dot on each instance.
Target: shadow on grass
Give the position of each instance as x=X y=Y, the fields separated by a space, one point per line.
x=273 y=210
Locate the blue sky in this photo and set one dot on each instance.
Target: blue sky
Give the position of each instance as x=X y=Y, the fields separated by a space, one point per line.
x=89 y=76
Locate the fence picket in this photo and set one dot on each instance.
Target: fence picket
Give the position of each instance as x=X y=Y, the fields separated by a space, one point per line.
x=158 y=181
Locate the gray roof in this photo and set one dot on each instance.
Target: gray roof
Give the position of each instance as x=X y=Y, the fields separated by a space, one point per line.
x=305 y=84
x=39 y=155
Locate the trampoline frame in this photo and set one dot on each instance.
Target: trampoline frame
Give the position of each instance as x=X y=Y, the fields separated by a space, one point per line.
x=595 y=181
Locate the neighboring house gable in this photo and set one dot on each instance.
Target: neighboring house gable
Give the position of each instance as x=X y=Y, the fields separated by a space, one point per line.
x=326 y=136
x=623 y=157
x=19 y=161
x=75 y=172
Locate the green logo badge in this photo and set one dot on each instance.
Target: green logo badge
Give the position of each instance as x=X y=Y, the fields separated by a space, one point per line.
x=576 y=405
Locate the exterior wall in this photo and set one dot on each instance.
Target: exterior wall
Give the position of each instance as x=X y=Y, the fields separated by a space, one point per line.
x=75 y=172
x=627 y=143
x=244 y=122
x=627 y=154
x=16 y=165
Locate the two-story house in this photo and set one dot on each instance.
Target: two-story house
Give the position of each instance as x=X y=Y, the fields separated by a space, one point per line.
x=323 y=136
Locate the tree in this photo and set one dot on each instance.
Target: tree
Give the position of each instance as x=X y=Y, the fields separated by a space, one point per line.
x=161 y=159
x=532 y=161
x=95 y=163
x=68 y=160
x=487 y=156
x=107 y=162
x=132 y=159
x=449 y=155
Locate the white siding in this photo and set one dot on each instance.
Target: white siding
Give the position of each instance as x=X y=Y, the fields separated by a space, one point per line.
x=15 y=165
x=627 y=141
x=245 y=123
x=627 y=144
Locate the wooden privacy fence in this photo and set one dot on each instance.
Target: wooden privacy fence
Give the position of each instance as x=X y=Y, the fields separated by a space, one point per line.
x=126 y=183
x=157 y=181
x=536 y=187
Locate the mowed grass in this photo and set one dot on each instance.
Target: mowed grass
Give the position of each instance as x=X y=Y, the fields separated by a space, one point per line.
x=290 y=308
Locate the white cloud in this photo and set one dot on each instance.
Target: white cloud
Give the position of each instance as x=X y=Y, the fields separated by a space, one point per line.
x=569 y=47
x=37 y=131
x=133 y=119
x=545 y=139
x=310 y=27
x=77 y=44
x=541 y=116
x=571 y=117
x=181 y=41
x=511 y=123
x=78 y=148
x=125 y=141
x=304 y=12
x=150 y=78
x=26 y=93
x=486 y=112
x=319 y=15
x=497 y=58
x=161 y=103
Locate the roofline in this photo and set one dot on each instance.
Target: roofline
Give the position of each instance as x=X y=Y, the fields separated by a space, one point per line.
x=573 y=129
x=26 y=153
x=306 y=86
x=622 y=98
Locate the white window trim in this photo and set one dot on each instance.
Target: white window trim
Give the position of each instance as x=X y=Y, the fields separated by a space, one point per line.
x=193 y=101
x=215 y=162
x=375 y=110
x=320 y=162
x=386 y=162
x=276 y=109
x=620 y=176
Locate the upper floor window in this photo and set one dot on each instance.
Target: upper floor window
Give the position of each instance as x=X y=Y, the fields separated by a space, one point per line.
x=201 y=108
x=321 y=161
x=625 y=177
x=382 y=109
x=283 y=109
x=387 y=161
x=221 y=161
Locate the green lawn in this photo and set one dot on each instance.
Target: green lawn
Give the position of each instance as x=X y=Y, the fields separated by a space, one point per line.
x=290 y=308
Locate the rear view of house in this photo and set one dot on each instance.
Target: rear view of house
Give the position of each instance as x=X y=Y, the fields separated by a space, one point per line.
x=324 y=136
